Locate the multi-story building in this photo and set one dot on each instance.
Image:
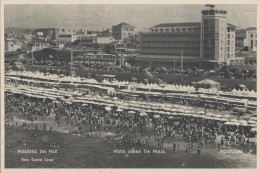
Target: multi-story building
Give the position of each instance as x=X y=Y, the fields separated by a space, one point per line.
x=211 y=39
x=231 y=40
x=38 y=44
x=217 y=38
x=246 y=39
x=171 y=39
x=122 y=31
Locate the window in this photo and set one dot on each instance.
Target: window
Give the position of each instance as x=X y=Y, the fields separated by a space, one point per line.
x=69 y=30
x=228 y=36
x=252 y=35
x=57 y=30
x=228 y=49
x=63 y=30
x=228 y=42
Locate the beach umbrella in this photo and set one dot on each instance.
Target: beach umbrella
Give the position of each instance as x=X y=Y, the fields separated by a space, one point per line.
x=131 y=112
x=180 y=110
x=148 y=110
x=242 y=121
x=156 y=116
x=252 y=125
x=234 y=120
x=251 y=122
x=143 y=114
x=108 y=108
x=253 y=118
x=231 y=123
x=217 y=115
x=119 y=110
x=187 y=111
x=172 y=109
x=209 y=114
x=222 y=119
x=201 y=112
x=84 y=104
x=244 y=124
x=171 y=117
x=226 y=116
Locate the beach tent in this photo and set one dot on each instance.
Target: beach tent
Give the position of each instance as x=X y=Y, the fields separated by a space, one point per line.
x=207 y=83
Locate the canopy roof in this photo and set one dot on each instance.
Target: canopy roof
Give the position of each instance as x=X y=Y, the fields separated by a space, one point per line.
x=208 y=81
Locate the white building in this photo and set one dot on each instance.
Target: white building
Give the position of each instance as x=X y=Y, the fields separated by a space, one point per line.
x=246 y=39
x=65 y=38
x=12 y=45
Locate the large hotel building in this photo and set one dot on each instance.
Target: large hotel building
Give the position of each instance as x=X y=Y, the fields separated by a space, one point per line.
x=211 y=39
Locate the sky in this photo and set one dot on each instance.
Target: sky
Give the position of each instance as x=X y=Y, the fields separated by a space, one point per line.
x=101 y=17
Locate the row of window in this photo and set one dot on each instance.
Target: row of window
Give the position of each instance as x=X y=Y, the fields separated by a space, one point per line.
x=171 y=35
x=162 y=30
x=69 y=30
x=174 y=48
x=171 y=54
x=124 y=29
x=171 y=42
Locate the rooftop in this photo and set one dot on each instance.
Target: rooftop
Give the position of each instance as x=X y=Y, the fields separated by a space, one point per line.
x=123 y=24
x=177 y=24
x=231 y=26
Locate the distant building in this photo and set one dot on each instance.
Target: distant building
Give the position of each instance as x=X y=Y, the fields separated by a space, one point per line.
x=65 y=38
x=107 y=33
x=12 y=45
x=122 y=31
x=54 y=33
x=39 y=44
x=70 y=31
x=246 y=39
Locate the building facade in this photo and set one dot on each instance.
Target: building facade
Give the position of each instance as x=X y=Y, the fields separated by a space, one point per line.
x=214 y=37
x=172 y=39
x=231 y=41
x=65 y=38
x=246 y=39
x=211 y=39
x=122 y=31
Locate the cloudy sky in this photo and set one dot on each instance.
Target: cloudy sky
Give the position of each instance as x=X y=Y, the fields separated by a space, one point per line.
x=99 y=17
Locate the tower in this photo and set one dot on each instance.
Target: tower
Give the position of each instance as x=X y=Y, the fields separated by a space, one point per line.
x=213 y=34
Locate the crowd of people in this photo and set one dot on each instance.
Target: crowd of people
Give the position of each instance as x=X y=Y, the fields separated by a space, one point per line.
x=128 y=129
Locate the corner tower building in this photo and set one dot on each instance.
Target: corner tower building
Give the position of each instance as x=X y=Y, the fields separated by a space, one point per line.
x=214 y=35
